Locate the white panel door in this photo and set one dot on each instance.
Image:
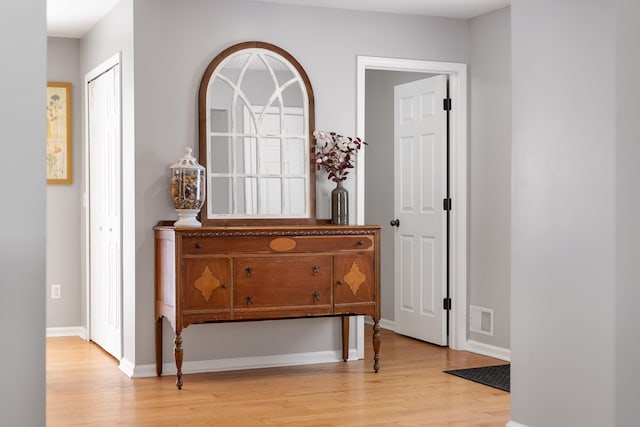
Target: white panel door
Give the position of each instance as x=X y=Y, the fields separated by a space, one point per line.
x=420 y=141
x=105 y=211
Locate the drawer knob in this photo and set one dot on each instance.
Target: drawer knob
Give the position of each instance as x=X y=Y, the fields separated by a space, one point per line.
x=198 y=245
x=360 y=242
x=249 y=271
x=316 y=296
x=249 y=299
x=223 y=286
x=340 y=283
x=316 y=270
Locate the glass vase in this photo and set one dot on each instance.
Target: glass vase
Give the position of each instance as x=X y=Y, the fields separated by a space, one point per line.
x=187 y=190
x=340 y=205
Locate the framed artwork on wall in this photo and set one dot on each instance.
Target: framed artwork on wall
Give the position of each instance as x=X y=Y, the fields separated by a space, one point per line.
x=59 y=158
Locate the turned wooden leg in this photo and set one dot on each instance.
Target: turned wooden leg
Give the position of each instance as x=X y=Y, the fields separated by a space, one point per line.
x=376 y=345
x=159 y=346
x=345 y=338
x=177 y=352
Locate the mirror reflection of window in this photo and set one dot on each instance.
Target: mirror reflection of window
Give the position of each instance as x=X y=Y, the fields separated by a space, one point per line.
x=221 y=188
x=258 y=138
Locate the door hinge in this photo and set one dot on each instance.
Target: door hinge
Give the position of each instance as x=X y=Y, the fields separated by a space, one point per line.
x=446 y=204
x=446 y=104
x=446 y=304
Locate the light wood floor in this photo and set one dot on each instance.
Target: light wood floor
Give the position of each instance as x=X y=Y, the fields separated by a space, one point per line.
x=86 y=388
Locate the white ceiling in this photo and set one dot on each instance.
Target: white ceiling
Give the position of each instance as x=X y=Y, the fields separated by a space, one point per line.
x=73 y=18
x=447 y=8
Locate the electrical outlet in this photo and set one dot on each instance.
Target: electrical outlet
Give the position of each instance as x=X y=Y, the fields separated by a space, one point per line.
x=55 y=291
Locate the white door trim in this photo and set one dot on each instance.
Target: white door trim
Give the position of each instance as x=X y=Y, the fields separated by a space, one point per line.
x=91 y=75
x=458 y=153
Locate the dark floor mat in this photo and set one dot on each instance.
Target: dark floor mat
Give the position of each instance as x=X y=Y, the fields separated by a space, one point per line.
x=494 y=376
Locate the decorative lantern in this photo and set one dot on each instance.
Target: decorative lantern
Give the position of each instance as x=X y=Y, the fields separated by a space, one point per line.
x=187 y=189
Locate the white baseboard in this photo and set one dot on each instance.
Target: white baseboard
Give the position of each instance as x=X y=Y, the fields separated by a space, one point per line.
x=387 y=324
x=127 y=367
x=515 y=424
x=198 y=366
x=472 y=346
x=193 y=367
x=489 y=350
x=67 y=331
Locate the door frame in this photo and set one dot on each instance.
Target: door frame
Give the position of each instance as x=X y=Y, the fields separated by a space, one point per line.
x=458 y=171
x=91 y=75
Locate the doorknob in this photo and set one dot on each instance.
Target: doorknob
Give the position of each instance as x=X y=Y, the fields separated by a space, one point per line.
x=395 y=223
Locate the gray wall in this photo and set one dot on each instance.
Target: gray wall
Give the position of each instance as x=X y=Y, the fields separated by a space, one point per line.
x=64 y=201
x=163 y=56
x=22 y=217
x=627 y=369
x=114 y=35
x=490 y=171
x=174 y=42
x=564 y=214
x=563 y=274
x=379 y=184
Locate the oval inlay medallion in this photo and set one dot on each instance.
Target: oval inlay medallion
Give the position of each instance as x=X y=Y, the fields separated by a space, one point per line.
x=282 y=244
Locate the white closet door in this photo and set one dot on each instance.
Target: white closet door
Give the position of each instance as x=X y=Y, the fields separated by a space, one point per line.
x=105 y=146
x=419 y=188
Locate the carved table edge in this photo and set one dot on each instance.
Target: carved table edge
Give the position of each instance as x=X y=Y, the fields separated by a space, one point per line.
x=271 y=233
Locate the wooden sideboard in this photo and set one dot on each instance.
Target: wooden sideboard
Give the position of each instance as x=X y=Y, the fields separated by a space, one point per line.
x=227 y=274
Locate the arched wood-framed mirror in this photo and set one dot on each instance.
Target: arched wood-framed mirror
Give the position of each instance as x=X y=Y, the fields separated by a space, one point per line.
x=256 y=118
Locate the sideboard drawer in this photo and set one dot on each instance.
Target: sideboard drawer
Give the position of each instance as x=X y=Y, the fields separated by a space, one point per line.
x=283 y=283
x=206 y=244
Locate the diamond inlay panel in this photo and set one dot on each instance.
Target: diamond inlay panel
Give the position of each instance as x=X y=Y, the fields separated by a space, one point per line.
x=354 y=278
x=206 y=283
